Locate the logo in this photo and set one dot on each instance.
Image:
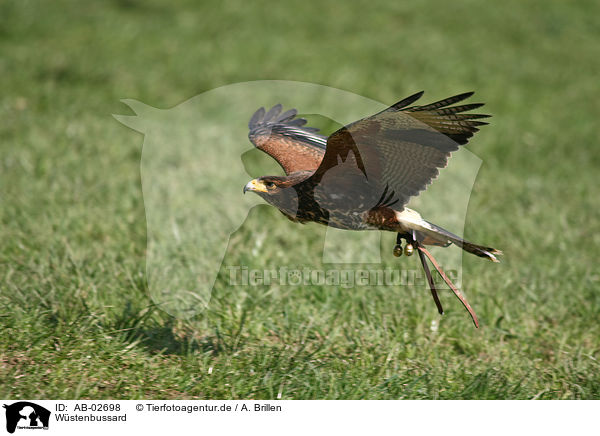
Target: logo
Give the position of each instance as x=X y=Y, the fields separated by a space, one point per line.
x=26 y=415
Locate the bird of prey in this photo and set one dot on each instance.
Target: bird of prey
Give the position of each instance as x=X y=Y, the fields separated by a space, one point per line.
x=362 y=176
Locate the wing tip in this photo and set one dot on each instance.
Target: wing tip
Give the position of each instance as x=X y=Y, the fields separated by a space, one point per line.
x=256 y=118
x=445 y=104
x=408 y=100
x=463 y=96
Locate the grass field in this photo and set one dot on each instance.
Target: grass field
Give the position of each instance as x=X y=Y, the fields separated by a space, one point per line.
x=75 y=314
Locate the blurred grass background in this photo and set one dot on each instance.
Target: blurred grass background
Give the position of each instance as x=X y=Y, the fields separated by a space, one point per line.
x=75 y=314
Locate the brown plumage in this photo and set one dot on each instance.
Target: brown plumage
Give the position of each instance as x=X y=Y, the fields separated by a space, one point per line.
x=362 y=176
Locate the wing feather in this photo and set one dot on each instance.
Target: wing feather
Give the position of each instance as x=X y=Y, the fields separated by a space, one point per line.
x=285 y=139
x=401 y=149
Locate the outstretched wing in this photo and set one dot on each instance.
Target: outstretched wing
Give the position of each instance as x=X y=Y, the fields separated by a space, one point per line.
x=401 y=149
x=285 y=138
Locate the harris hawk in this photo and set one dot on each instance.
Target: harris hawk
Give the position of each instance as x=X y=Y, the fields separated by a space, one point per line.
x=362 y=176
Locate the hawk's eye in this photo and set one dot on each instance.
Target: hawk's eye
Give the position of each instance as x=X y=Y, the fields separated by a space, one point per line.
x=270 y=185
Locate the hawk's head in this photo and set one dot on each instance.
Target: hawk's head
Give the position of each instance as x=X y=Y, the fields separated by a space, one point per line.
x=267 y=186
x=278 y=191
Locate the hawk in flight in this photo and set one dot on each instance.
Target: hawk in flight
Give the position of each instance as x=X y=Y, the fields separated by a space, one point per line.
x=362 y=176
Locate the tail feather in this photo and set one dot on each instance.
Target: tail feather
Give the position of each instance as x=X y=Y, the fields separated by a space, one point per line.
x=442 y=235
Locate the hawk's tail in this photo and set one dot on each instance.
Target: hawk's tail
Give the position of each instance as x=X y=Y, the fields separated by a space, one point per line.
x=443 y=235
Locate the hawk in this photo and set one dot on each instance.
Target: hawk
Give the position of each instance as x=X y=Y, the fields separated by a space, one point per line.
x=362 y=176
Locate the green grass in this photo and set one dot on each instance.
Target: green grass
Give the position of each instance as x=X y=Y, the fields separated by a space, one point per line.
x=76 y=317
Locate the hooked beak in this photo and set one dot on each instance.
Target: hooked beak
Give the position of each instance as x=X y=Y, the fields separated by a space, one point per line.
x=254 y=185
